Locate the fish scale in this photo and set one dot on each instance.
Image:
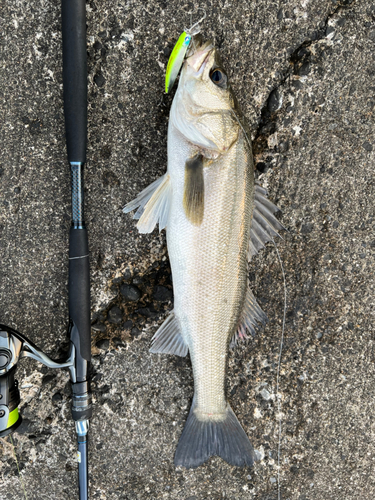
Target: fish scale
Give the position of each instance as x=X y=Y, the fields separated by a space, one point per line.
x=210 y=289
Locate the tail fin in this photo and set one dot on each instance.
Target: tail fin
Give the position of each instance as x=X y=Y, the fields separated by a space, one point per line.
x=202 y=439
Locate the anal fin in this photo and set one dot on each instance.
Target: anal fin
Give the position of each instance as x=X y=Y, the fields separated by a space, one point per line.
x=168 y=338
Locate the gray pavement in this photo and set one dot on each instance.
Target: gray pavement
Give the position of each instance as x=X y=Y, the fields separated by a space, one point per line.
x=303 y=71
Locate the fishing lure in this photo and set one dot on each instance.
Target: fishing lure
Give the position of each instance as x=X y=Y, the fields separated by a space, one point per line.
x=176 y=60
x=177 y=56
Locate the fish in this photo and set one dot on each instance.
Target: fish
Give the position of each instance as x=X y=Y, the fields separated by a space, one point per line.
x=216 y=218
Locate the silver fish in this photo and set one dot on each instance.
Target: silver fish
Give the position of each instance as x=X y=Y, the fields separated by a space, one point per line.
x=217 y=218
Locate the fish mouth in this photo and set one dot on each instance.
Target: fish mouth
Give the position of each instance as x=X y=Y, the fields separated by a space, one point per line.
x=197 y=44
x=202 y=68
x=199 y=58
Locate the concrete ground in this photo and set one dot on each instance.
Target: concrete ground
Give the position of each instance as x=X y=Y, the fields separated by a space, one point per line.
x=303 y=71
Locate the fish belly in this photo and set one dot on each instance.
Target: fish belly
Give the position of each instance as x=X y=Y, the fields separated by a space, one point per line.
x=209 y=266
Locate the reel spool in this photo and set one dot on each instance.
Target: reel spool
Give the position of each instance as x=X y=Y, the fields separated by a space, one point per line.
x=10 y=348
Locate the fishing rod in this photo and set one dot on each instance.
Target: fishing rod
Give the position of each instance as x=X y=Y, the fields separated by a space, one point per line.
x=14 y=345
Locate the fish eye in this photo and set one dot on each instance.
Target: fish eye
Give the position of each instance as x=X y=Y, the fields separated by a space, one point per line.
x=219 y=78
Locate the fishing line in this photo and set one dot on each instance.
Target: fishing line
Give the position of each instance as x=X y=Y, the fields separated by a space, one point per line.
x=243 y=130
x=278 y=375
x=195 y=28
x=281 y=341
x=19 y=472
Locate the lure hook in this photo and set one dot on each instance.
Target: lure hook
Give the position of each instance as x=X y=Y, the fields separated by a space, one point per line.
x=195 y=28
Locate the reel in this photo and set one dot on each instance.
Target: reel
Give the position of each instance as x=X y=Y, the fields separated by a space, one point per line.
x=13 y=347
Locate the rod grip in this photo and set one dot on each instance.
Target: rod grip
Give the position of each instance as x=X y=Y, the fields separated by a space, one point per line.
x=79 y=289
x=75 y=77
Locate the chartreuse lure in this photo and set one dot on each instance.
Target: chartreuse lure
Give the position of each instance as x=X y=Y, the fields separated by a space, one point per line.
x=177 y=57
x=176 y=60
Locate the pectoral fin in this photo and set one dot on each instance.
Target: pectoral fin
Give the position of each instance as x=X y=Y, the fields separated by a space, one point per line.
x=193 y=201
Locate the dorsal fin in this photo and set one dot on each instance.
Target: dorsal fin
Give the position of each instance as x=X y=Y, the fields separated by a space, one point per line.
x=264 y=225
x=264 y=228
x=251 y=315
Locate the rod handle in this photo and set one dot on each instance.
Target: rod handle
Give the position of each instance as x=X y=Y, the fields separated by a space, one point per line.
x=75 y=77
x=79 y=292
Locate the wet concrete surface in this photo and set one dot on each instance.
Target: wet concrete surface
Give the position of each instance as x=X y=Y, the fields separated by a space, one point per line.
x=303 y=73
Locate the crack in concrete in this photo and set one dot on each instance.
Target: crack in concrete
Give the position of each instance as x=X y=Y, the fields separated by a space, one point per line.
x=298 y=61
